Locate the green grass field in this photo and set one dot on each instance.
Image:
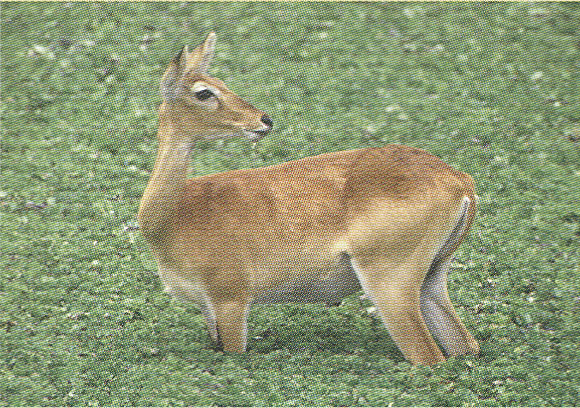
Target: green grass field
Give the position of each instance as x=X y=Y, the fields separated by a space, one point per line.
x=492 y=89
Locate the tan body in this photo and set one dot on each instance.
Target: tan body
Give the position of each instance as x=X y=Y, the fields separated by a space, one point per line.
x=311 y=230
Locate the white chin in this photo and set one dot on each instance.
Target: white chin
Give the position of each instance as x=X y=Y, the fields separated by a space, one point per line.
x=248 y=134
x=224 y=135
x=253 y=136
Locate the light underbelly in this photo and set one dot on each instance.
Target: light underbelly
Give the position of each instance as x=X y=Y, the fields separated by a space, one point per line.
x=325 y=286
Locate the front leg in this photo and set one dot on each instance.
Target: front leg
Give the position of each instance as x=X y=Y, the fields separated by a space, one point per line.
x=230 y=318
x=208 y=313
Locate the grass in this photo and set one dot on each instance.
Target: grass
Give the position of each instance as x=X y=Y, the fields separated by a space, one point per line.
x=493 y=89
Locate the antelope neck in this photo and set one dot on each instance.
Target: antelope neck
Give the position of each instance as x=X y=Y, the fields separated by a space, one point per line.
x=165 y=187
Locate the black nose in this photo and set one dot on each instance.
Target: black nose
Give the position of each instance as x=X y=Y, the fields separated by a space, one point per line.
x=267 y=121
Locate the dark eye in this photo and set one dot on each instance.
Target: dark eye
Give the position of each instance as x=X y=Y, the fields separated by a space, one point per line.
x=204 y=94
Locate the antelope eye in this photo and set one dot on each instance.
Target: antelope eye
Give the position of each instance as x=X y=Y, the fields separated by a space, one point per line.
x=203 y=94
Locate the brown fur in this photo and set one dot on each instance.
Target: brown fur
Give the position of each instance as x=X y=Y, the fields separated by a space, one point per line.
x=314 y=229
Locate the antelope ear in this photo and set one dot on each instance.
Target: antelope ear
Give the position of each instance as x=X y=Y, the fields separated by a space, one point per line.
x=200 y=59
x=173 y=73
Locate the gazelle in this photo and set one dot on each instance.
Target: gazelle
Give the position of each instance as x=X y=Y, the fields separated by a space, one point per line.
x=311 y=230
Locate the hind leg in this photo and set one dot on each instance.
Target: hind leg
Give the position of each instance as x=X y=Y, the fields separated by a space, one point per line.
x=394 y=288
x=440 y=315
x=436 y=307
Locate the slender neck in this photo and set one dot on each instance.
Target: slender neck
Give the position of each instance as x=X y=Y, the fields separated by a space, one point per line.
x=167 y=183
